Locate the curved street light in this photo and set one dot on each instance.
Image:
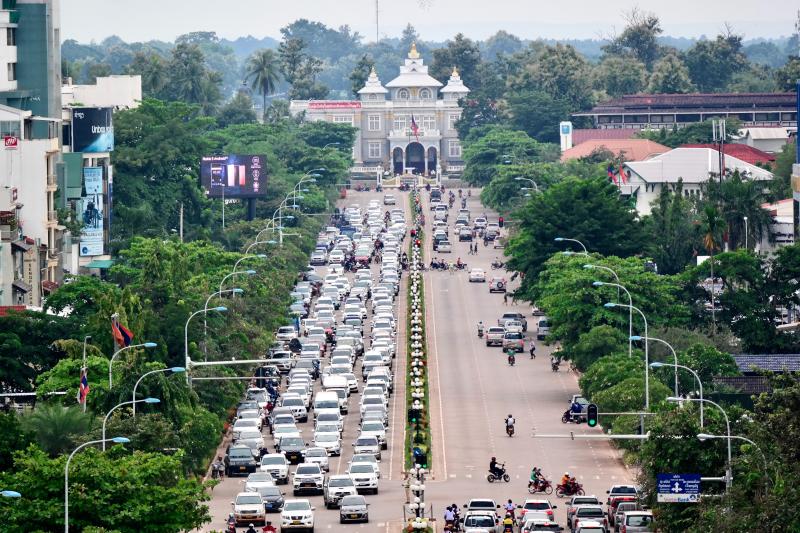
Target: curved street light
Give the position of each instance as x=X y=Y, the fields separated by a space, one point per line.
x=174 y=370
x=111 y=361
x=705 y=436
x=117 y=440
x=676 y=365
x=658 y=364
x=630 y=303
x=235 y=273
x=108 y=415
x=188 y=362
x=10 y=494
x=611 y=305
x=564 y=239
x=535 y=185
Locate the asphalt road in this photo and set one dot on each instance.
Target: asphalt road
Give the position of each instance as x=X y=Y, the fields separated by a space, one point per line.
x=472 y=391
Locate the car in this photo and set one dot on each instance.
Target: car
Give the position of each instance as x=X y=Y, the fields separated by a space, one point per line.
x=494 y=336
x=286 y=333
x=634 y=521
x=514 y=326
x=272 y=497
x=585 y=513
x=375 y=429
x=615 y=501
x=307 y=477
x=497 y=284
x=318 y=257
x=297 y=515
x=389 y=199
x=464 y=234
x=353 y=509
x=292 y=448
x=257 y=480
x=621 y=509
x=477 y=275
x=336 y=488
x=239 y=460
x=364 y=476
x=590 y=526
x=620 y=490
x=480 y=522
x=539 y=506
x=444 y=247
x=538 y=522
x=482 y=504
x=367 y=444
x=517 y=317
x=296 y=403
x=277 y=466
x=331 y=442
x=575 y=501
x=318 y=456
x=284 y=430
x=366 y=458
x=542 y=328
x=480 y=222
x=248 y=507
x=513 y=340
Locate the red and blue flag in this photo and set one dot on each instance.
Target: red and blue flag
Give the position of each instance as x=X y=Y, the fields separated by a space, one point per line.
x=122 y=335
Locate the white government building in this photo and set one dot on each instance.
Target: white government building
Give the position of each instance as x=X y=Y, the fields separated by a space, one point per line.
x=386 y=141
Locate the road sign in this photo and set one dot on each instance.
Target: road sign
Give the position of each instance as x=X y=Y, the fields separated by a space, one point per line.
x=678 y=488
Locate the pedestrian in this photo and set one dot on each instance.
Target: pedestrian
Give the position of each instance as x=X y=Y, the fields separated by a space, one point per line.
x=505 y=298
x=407 y=485
x=533 y=350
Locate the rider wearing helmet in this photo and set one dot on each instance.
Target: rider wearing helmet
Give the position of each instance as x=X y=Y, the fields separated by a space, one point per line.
x=480 y=327
x=509 y=507
x=565 y=479
x=510 y=421
x=494 y=468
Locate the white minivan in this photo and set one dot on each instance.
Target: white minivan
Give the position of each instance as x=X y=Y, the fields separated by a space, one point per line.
x=543 y=328
x=326 y=400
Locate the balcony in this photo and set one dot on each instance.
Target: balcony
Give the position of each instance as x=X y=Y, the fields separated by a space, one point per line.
x=430 y=135
x=52 y=217
x=52 y=182
x=414 y=102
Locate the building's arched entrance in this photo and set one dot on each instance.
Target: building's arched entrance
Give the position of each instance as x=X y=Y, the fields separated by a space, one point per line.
x=397 y=160
x=415 y=158
x=432 y=160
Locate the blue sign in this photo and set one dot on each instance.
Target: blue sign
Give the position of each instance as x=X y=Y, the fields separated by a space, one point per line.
x=678 y=488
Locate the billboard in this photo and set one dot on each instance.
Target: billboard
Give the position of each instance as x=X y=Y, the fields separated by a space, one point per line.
x=93 y=180
x=92 y=129
x=91 y=213
x=240 y=176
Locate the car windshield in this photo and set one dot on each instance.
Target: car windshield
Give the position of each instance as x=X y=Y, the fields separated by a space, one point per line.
x=372 y=426
x=367 y=442
x=272 y=490
x=486 y=504
x=532 y=506
x=297 y=506
x=292 y=402
x=513 y=335
x=624 y=490
x=241 y=453
x=639 y=520
x=327 y=437
x=341 y=482
x=307 y=469
x=316 y=452
x=362 y=469
x=291 y=441
x=353 y=500
x=248 y=499
x=364 y=458
x=275 y=460
x=259 y=476
x=328 y=417
x=590 y=511
x=479 y=521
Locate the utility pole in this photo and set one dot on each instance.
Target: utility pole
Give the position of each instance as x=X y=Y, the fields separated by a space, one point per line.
x=223 y=207
x=180 y=224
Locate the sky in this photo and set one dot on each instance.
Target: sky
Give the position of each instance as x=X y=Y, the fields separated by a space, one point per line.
x=141 y=20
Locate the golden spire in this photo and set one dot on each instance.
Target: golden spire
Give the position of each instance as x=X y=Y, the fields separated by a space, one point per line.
x=413 y=54
x=455 y=71
x=372 y=71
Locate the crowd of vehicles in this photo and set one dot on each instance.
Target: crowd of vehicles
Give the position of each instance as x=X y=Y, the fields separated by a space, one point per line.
x=334 y=363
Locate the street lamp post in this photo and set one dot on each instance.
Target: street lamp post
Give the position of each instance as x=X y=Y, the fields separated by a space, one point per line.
x=729 y=472
x=108 y=415
x=674 y=357
x=174 y=370
x=118 y=440
x=219 y=309
x=705 y=436
x=618 y=286
x=646 y=350
x=745 y=232
x=248 y=256
x=10 y=494
x=111 y=361
x=563 y=239
x=535 y=185
x=235 y=273
x=658 y=364
x=233 y=291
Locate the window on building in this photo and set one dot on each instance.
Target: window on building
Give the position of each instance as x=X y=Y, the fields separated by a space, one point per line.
x=451 y=121
x=372 y=96
x=399 y=122
x=11 y=36
x=12 y=72
x=428 y=122
x=402 y=94
x=374 y=123
x=10 y=128
x=374 y=150
x=343 y=119
x=425 y=94
x=454 y=149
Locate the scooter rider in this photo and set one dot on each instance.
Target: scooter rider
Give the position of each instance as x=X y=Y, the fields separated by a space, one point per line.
x=494 y=468
x=480 y=328
x=510 y=422
x=575 y=410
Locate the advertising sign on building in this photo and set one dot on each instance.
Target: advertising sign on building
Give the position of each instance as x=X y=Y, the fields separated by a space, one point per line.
x=91 y=213
x=93 y=180
x=240 y=176
x=10 y=142
x=92 y=129
x=334 y=104
x=678 y=488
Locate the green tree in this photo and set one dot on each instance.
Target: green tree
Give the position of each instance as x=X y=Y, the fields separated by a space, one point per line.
x=674 y=240
x=263 y=73
x=594 y=345
x=153 y=70
x=786 y=77
x=737 y=198
x=589 y=210
x=115 y=490
x=12 y=438
x=639 y=38
x=561 y=72
x=358 y=78
x=712 y=228
x=670 y=76
x=497 y=147
x=609 y=370
x=618 y=76
x=407 y=38
x=537 y=113
x=239 y=110
x=57 y=428
x=501 y=43
x=712 y=64
x=781 y=186
x=462 y=53
x=189 y=79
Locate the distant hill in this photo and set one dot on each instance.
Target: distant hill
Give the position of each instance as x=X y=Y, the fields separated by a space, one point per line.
x=243 y=47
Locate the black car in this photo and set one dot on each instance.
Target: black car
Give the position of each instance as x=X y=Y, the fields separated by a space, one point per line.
x=292 y=448
x=240 y=460
x=272 y=498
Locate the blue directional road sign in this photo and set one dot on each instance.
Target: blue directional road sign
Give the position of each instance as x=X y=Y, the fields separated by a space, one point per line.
x=678 y=488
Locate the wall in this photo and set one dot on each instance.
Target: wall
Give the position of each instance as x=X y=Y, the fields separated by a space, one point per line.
x=118 y=91
x=8 y=54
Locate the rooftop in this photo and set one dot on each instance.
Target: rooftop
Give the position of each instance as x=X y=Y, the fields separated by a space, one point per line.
x=582 y=135
x=770 y=362
x=630 y=149
x=414 y=73
x=695 y=102
x=744 y=152
x=692 y=165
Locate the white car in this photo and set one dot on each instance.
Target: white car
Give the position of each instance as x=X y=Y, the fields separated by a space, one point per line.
x=367 y=444
x=477 y=275
x=331 y=442
x=364 y=476
x=337 y=487
x=366 y=458
x=389 y=199
x=297 y=515
x=277 y=466
x=256 y=480
x=248 y=507
x=318 y=456
x=336 y=257
x=308 y=477
x=287 y=430
x=444 y=247
x=375 y=429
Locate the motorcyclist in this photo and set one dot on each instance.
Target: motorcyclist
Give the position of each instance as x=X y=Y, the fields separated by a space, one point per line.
x=575 y=410
x=269 y=528
x=494 y=467
x=509 y=507
x=231 y=522
x=449 y=516
x=536 y=475
x=480 y=328
x=459 y=264
x=508 y=523
x=251 y=529
x=565 y=479
x=533 y=350
x=510 y=422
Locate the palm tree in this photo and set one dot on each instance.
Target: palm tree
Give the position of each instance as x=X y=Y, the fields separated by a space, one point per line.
x=57 y=427
x=263 y=70
x=713 y=225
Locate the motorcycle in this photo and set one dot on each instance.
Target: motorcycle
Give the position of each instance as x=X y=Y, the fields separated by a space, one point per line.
x=510 y=430
x=554 y=366
x=499 y=476
x=569 y=418
x=541 y=485
x=480 y=333
x=508 y=528
x=573 y=489
x=511 y=359
x=497 y=265
x=231 y=527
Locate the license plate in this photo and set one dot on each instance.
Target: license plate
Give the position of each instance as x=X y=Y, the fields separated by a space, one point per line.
x=353 y=516
x=295 y=522
x=242 y=468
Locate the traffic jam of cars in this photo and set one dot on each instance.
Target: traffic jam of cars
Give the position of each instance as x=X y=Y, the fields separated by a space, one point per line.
x=333 y=363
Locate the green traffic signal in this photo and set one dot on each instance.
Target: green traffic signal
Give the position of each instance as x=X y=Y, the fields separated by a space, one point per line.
x=591 y=415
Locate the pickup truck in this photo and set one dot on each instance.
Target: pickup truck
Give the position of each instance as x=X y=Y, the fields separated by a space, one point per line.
x=494 y=336
x=519 y=317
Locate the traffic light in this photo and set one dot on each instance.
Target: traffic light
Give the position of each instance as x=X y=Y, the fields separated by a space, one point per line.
x=591 y=415
x=501 y=222
x=413 y=416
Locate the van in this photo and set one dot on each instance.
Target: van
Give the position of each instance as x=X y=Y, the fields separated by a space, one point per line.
x=326 y=400
x=334 y=381
x=543 y=328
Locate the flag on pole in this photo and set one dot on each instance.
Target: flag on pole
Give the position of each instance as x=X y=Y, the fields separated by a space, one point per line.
x=414 y=128
x=122 y=335
x=622 y=176
x=611 y=176
x=83 y=388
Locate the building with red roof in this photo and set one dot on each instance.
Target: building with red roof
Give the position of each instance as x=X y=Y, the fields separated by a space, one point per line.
x=748 y=154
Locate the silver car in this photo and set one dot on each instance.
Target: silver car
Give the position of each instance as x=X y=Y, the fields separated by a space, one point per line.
x=353 y=509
